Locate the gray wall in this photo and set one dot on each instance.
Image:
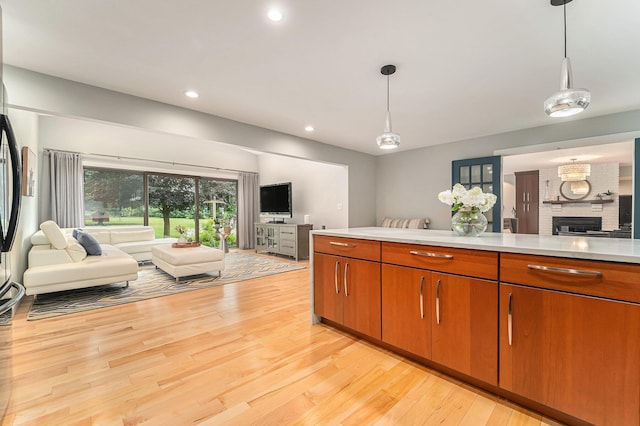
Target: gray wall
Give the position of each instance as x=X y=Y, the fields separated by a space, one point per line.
x=42 y=93
x=408 y=183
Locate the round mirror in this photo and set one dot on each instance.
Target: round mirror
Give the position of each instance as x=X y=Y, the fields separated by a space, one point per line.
x=574 y=191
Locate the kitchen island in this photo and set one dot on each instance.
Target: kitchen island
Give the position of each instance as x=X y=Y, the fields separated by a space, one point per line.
x=550 y=322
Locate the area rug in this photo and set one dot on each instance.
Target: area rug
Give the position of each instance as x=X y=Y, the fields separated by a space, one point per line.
x=154 y=282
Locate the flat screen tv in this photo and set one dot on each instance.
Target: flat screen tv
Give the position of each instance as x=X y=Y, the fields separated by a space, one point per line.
x=275 y=201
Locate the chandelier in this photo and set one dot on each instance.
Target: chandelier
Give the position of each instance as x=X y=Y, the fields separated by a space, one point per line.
x=574 y=172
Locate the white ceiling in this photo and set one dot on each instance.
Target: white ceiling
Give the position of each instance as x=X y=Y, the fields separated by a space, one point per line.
x=618 y=152
x=465 y=68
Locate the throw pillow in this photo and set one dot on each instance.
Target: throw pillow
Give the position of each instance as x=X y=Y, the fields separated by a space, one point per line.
x=75 y=251
x=54 y=234
x=90 y=244
x=75 y=232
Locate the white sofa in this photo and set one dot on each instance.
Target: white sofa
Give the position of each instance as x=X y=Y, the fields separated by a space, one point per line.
x=63 y=264
x=135 y=240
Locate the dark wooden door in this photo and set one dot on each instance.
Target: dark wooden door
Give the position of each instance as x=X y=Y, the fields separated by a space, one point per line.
x=527 y=199
x=406 y=309
x=464 y=327
x=573 y=353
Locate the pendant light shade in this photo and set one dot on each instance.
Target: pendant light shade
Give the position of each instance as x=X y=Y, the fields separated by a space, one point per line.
x=568 y=101
x=388 y=139
x=574 y=172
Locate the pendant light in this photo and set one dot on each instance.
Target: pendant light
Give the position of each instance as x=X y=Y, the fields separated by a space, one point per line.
x=388 y=140
x=568 y=101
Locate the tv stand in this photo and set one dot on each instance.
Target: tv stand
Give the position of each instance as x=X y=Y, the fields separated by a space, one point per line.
x=287 y=239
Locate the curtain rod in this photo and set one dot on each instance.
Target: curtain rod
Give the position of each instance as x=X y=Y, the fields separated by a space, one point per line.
x=173 y=163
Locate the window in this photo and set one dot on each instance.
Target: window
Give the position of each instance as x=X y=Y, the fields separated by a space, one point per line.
x=206 y=207
x=113 y=197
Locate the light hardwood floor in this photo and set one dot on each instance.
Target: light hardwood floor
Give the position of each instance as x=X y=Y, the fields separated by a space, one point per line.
x=242 y=353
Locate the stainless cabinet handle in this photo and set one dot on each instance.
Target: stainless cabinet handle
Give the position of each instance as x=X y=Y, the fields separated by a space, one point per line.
x=528 y=197
x=335 y=276
x=510 y=319
x=421 y=297
x=528 y=205
x=429 y=254
x=335 y=243
x=438 y=302
x=565 y=270
x=346 y=289
x=524 y=197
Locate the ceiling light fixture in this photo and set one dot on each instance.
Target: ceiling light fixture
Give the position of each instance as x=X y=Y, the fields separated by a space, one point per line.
x=568 y=101
x=309 y=129
x=275 y=15
x=388 y=140
x=191 y=94
x=574 y=172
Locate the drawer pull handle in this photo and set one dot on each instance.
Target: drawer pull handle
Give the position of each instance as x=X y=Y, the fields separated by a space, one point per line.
x=335 y=276
x=346 y=289
x=438 y=302
x=429 y=254
x=565 y=270
x=421 y=297
x=510 y=319
x=335 y=243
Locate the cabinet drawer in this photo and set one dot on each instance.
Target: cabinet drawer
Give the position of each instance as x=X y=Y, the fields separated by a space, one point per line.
x=348 y=247
x=472 y=263
x=287 y=248
x=288 y=233
x=619 y=281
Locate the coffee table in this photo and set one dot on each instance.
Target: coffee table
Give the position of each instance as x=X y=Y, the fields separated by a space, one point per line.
x=185 y=261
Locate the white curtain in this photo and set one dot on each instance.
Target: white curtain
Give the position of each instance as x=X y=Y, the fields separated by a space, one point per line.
x=248 y=209
x=66 y=188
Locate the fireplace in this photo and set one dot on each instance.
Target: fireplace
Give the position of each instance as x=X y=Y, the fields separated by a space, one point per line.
x=562 y=224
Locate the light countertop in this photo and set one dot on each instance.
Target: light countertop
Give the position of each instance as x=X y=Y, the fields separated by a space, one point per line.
x=590 y=248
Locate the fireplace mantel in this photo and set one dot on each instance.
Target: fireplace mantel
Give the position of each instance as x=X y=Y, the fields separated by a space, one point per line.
x=577 y=202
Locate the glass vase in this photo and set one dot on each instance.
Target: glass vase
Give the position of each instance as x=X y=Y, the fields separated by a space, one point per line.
x=469 y=223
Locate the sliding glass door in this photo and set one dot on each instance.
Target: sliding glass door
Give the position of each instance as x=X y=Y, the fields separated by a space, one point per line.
x=206 y=207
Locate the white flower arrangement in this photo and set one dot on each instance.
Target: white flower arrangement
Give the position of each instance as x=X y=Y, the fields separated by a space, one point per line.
x=467 y=199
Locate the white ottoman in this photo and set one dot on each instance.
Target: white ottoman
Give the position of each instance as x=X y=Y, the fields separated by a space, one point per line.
x=182 y=262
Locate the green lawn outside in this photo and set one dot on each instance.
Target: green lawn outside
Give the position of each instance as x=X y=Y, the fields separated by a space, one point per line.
x=155 y=222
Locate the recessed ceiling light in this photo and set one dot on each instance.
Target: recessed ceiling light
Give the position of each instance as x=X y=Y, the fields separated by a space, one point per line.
x=191 y=94
x=275 y=15
x=309 y=129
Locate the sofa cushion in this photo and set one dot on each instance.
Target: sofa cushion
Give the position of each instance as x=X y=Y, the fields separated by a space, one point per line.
x=54 y=234
x=75 y=250
x=125 y=236
x=90 y=244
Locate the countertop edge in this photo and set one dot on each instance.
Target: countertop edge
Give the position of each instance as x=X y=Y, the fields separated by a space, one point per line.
x=586 y=248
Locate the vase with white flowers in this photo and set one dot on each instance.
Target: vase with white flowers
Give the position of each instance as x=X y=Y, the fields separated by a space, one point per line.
x=469 y=206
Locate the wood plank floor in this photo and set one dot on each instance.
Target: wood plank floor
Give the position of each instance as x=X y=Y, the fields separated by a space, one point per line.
x=242 y=353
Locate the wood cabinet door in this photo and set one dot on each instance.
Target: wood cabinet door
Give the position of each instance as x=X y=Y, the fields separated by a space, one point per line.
x=406 y=311
x=361 y=295
x=464 y=326
x=327 y=291
x=577 y=354
x=527 y=198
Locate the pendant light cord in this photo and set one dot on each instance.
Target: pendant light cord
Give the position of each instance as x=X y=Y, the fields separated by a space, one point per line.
x=564 y=7
x=387 y=92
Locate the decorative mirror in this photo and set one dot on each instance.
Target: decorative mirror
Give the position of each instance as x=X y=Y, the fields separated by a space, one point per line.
x=576 y=190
